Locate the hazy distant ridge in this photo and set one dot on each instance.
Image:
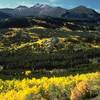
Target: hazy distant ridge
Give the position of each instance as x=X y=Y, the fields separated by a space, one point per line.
x=41 y=10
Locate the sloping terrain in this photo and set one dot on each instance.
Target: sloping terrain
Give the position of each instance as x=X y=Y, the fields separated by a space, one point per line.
x=43 y=11
x=42 y=45
x=39 y=48
x=79 y=87
x=4 y=15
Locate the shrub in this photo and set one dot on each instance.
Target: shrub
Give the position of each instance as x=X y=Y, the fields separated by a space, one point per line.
x=80 y=92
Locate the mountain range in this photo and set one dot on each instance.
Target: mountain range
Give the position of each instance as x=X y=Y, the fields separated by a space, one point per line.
x=41 y=10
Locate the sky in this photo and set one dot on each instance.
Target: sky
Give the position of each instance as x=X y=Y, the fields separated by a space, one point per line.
x=95 y=4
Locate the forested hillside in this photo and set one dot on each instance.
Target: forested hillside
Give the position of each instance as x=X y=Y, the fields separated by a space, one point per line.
x=40 y=47
x=49 y=53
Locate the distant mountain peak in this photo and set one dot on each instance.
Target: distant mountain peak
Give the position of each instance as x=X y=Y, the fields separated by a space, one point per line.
x=81 y=6
x=21 y=7
x=37 y=5
x=40 y=5
x=43 y=10
x=83 y=10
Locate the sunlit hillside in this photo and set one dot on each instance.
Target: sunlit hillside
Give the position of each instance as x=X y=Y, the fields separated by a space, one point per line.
x=48 y=52
x=79 y=87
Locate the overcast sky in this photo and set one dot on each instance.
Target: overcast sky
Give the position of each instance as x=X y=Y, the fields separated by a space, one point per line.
x=95 y=4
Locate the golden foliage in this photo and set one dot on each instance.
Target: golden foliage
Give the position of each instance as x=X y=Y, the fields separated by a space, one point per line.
x=43 y=88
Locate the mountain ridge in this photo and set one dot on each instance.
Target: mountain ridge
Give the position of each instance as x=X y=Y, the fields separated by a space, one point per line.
x=44 y=10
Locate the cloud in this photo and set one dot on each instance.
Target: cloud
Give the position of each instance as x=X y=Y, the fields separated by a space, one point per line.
x=98 y=10
x=52 y=0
